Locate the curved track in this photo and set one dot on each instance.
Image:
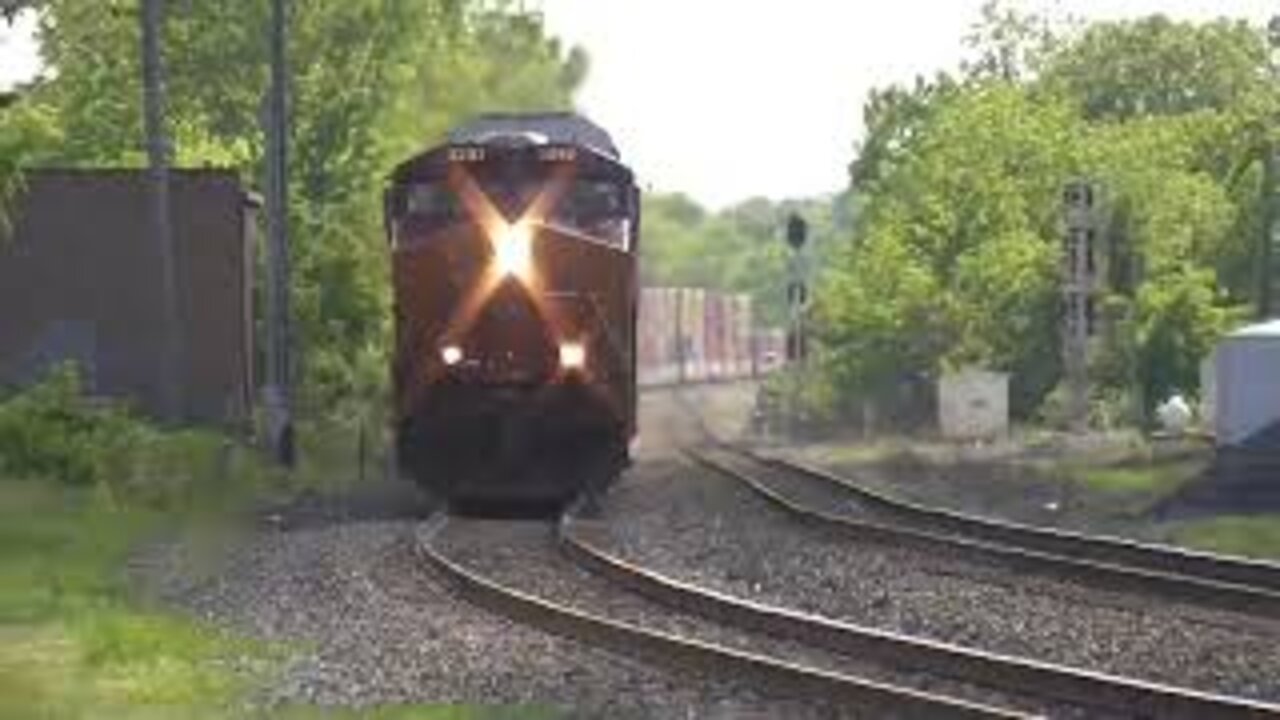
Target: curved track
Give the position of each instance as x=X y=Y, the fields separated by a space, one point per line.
x=1258 y=574
x=1197 y=578
x=1105 y=693
x=702 y=658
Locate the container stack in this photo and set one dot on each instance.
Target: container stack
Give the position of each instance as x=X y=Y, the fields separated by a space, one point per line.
x=699 y=335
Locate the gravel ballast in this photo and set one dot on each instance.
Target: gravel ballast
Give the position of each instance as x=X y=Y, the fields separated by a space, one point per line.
x=524 y=556
x=375 y=627
x=700 y=527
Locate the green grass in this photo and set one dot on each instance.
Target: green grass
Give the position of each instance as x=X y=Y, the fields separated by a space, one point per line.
x=1157 y=479
x=75 y=641
x=1253 y=536
x=1130 y=490
x=72 y=645
x=75 y=644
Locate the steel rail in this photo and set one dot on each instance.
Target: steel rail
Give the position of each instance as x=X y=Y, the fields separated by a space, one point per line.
x=705 y=659
x=1126 y=696
x=1117 y=551
x=1260 y=603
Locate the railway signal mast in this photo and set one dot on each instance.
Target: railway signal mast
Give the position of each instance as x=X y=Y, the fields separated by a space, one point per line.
x=1081 y=250
x=797 y=288
x=797 y=300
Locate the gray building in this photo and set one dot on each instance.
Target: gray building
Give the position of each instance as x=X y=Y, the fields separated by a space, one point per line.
x=1246 y=387
x=80 y=280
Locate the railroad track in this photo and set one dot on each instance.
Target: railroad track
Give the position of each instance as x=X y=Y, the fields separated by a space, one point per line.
x=1076 y=692
x=1158 y=558
x=705 y=659
x=1105 y=694
x=821 y=497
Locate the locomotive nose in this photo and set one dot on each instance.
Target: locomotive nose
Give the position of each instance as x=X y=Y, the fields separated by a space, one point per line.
x=510 y=341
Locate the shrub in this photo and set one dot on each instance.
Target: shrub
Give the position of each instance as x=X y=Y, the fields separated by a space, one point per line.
x=52 y=431
x=804 y=402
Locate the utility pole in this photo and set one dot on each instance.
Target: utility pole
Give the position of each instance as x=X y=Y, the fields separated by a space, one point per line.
x=158 y=159
x=1266 y=243
x=797 y=303
x=1269 y=254
x=1080 y=255
x=279 y=385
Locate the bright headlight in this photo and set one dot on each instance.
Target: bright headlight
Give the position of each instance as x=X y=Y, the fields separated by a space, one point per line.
x=451 y=354
x=573 y=355
x=513 y=250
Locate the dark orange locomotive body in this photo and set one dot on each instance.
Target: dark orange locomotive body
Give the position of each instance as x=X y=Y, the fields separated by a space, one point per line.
x=515 y=299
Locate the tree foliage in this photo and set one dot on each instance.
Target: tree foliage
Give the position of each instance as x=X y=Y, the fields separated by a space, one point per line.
x=371 y=81
x=956 y=254
x=739 y=248
x=1157 y=66
x=27 y=131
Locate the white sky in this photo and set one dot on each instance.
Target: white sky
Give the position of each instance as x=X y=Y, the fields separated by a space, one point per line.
x=18 y=58
x=729 y=99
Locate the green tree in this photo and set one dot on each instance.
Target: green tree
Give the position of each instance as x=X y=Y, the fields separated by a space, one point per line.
x=959 y=190
x=892 y=118
x=739 y=248
x=1157 y=66
x=28 y=131
x=972 y=208
x=1009 y=44
x=371 y=82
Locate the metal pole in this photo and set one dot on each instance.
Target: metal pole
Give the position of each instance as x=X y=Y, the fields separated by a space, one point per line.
x=153 y=101
x=1268 y=262
x=1266 y=273
x=797 y=235
x=680 y=346
x=279 y=390
x=1078 y=286
x=793 y=348
x=1077 y=363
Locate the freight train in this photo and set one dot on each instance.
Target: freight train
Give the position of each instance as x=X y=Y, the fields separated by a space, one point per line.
x=689 y=335
x=515 y=300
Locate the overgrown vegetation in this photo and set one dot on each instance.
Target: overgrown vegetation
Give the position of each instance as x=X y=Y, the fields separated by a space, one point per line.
x=53 y=432
x=956 y=252
x=84 y=483
x=81 y=483
x=74 y=646
x=1255 y=536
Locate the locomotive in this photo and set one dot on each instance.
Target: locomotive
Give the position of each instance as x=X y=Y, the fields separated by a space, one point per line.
x=514 y=248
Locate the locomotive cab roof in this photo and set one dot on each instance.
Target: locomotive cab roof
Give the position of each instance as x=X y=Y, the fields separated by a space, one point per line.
x=516 y=135
x=561 y=128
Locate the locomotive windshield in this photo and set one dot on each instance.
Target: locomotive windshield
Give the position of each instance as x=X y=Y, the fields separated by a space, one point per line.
x=434 y=205
x=597 y=208
x=593 y=207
